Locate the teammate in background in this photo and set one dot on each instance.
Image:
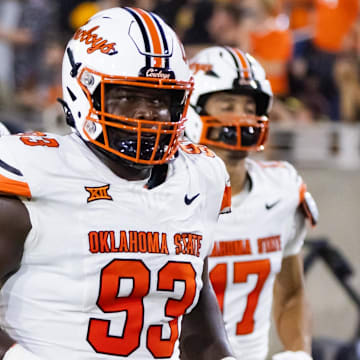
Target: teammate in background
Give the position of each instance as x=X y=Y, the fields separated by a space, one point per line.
x=256 y=259
x=105 y=232
x=3 y=130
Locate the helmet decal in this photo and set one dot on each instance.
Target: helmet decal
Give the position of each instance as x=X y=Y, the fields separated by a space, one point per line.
x=74 y=66
x=242 y=65
x=166 y=47
x=196 y=67
x=95 y=41
x=156 y=45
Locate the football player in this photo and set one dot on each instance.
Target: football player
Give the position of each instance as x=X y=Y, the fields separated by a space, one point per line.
x=256 y=259
x=105 y=232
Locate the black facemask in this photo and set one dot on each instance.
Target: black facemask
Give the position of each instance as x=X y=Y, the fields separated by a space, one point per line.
x=249 y=135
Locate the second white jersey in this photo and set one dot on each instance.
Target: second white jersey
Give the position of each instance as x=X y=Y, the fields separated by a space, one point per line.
x=250 y=244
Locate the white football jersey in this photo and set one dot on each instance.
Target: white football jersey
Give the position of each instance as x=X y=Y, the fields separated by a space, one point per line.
x=250 y=244
x=109 y=267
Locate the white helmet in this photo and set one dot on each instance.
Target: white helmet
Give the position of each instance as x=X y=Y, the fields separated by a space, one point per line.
x=225 y=69
x=132 y=47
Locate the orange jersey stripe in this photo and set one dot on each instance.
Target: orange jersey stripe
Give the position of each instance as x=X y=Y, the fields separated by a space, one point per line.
x=302 y=192
x=13 y=187
x=154 y=34
x=226 y=202
x=244 y=63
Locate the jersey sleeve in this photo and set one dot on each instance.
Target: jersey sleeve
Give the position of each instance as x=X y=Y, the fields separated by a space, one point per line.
x=305 y=209
x=308 y=206
x=221 y=189
x=226 y=201
x=12 y=179
x=213 y=181
x=224 y=177
x=297 y=236
x=215 y=172
x=305 y=200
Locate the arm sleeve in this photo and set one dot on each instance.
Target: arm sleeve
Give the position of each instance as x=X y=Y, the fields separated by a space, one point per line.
x=298 y=232
x=298 y=228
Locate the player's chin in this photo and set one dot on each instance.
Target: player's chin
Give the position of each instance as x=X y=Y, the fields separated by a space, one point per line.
x=122 y=137
x=127 y=144
x=231 y=156
x=237 y=154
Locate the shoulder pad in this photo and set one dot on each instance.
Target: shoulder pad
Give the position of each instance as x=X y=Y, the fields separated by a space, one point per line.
x=190 y=148
x=226 y=201
x=309 y=207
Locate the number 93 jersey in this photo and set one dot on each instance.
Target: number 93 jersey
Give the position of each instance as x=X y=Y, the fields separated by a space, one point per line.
x=109 y=266
x=250 y=244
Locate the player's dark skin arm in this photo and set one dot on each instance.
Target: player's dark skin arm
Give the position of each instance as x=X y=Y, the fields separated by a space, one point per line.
x=203 y=335
x=15 y=225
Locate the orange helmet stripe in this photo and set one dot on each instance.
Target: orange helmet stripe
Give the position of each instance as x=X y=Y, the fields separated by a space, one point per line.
x=154 y=35
x=244 y=63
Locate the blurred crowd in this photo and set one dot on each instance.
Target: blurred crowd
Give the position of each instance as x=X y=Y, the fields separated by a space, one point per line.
x=310 y=50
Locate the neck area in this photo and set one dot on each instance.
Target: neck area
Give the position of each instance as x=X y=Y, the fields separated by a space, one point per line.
x=120 y=167
x=238 y=175
x=235 y=165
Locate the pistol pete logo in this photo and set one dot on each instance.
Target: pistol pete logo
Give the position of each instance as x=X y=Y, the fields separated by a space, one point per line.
x=98 y=193
x=196 y=67
x=95 y=42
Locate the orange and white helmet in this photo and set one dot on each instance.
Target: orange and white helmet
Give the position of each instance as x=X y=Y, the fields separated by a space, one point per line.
x=225 y=69
x=125 y=47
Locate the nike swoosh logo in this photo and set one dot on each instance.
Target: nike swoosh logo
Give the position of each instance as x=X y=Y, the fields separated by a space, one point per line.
x=188 y=201
x=270 y=206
